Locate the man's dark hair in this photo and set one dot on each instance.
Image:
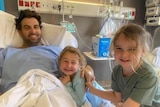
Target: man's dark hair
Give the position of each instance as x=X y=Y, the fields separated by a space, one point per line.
x=27 y=14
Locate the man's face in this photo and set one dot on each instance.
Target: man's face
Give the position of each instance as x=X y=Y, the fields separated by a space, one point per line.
x=30 y=32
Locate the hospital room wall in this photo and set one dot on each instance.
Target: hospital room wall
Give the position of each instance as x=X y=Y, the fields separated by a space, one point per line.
x=87 y=28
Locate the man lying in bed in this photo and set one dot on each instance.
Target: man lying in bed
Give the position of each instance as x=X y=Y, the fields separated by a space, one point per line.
x=14 y=62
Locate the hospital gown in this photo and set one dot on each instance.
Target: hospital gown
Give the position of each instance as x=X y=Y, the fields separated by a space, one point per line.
x=16 y=62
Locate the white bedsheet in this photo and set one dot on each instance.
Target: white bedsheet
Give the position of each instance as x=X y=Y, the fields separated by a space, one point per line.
x=37 y=88
x=156 y=60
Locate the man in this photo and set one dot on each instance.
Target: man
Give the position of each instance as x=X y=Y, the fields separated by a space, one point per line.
x=14 y=62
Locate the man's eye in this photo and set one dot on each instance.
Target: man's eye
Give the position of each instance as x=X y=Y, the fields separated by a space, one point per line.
x=37 y=27
x=26 y=27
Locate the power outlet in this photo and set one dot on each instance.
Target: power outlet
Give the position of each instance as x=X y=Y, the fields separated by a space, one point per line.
x=66 y=7
x=69 y=7
x=57 y=7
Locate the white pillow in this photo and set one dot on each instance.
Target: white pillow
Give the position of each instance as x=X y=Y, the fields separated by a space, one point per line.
x=57 y=36
x=149 y=57
x=7 y=30
x=51 y=34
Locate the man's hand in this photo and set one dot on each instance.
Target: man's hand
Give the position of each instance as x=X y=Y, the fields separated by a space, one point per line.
x=88 y=73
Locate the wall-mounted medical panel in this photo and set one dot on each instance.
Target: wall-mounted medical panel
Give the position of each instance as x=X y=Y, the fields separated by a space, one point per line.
x=77 y=8
x=153 y=11
x=150 y=3
x=2 y=5
x=153 y=21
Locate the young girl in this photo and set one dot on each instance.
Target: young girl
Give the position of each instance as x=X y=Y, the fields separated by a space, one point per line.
x=134 y=82
x=71 y=61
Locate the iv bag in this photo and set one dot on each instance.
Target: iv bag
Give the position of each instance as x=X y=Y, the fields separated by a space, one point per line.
x=108 y=28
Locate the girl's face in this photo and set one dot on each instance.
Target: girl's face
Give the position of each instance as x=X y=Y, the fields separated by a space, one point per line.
x=69 y=63
x=127 y=53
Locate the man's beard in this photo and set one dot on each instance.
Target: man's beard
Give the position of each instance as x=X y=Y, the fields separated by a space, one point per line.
x=30 y=43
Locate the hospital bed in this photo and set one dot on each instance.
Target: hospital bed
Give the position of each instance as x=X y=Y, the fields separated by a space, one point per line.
x=55 y=94
x=31 y=89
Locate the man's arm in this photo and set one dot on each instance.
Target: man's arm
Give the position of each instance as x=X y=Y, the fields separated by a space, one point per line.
x=88 y=73
x=2 y=58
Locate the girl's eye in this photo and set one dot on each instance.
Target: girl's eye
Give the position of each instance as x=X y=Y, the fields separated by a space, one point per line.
x=132 y=50
x=73 y=63
x=65 y=61
x=118 y=49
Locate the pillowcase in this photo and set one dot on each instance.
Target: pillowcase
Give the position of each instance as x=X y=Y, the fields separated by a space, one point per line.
x=57 y=36
x=7 y=30
x=51 y=34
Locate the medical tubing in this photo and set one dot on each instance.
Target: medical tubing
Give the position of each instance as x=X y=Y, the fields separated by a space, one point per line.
x=77 y=33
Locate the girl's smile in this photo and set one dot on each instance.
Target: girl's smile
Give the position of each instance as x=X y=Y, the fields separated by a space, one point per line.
x=127 y=53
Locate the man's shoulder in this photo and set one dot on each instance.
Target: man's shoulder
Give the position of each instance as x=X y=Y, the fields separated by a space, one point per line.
x=4 y=50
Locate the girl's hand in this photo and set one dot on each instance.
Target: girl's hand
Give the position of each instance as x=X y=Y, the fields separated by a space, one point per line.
x=120 y=104
x=65 y=79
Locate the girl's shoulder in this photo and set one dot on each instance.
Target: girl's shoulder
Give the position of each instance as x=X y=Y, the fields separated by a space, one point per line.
x=147 y=68
x=147 y=71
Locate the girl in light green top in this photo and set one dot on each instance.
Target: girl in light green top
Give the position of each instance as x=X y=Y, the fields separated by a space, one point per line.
x=134 y=82
x=70 y=62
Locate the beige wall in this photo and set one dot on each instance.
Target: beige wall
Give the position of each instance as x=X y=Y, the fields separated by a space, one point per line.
x=90 y=1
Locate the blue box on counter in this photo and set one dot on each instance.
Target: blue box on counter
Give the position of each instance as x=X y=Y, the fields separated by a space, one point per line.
x=101 y=46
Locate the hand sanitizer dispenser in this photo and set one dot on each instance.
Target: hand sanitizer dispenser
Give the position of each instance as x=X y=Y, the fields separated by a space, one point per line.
x=100 y=46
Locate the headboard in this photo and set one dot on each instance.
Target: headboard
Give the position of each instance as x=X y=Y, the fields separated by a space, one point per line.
x=156 y=37
x=51 y=34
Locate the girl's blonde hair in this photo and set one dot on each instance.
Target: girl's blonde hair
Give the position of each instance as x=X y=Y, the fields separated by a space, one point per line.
x=134 y=32
x=75 y=51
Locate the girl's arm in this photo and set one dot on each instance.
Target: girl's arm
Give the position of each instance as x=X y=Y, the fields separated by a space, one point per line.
x=114 y=97
x=130 y=103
